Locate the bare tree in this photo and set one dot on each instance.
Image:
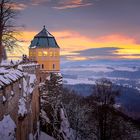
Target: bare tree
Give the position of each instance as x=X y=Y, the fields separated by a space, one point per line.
x=108 y=121
x=78 y=112
x=7 y=27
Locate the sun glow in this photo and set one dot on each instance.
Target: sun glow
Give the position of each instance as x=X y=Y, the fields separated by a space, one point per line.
x=70 y=41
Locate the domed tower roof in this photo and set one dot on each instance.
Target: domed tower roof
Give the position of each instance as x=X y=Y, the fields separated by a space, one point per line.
x=44 y=40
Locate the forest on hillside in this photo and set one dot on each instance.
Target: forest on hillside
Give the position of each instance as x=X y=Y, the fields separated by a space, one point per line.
x=65 y=115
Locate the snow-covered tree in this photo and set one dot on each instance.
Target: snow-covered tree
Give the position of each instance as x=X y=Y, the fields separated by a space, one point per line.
x=108 y=122
x=53 y=116
x=78 y=113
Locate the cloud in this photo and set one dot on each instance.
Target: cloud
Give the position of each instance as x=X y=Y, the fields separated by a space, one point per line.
x=67 y=4
x=71 y=6
x=38 y=2
x=23 y=4
x=103 y=53
x=94 y=53
x=116 y=38
x=59 y=4
x=17 y=6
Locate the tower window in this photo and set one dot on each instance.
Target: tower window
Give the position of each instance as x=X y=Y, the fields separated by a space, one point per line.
x=51 y=53
x=33 y=53
x=45 y=53
x=53 y=66
x=30 y=53
x=39 y=53
x=55 y=53
x=42 y=66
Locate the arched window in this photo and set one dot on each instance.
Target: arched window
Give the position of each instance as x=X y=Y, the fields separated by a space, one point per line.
x=55 y=54
x=45 y=53
x=53 y=66
x=30 y=53
x=51 y=53
x=39 y=53
x=42 y=66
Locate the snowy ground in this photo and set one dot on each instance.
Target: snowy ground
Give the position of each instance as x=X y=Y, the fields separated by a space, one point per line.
x=120 y=74
x=7 y=128
x=77 y=81
x=101 y=68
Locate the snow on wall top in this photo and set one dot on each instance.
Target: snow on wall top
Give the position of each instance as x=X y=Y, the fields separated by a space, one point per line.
x=21 y=66
x=8 y=76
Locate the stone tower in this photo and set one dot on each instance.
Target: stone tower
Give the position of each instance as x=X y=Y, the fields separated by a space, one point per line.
x=45 y=50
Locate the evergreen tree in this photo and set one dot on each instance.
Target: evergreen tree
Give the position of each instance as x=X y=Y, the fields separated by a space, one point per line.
x=53 y=116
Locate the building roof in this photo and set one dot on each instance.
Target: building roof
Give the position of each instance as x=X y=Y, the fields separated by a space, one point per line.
x=44 y=40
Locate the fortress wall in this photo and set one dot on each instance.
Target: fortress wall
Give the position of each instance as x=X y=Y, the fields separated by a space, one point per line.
x=28 y=124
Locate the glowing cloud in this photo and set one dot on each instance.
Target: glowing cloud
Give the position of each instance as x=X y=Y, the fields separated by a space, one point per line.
x=71 y=4
x=17 y=6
